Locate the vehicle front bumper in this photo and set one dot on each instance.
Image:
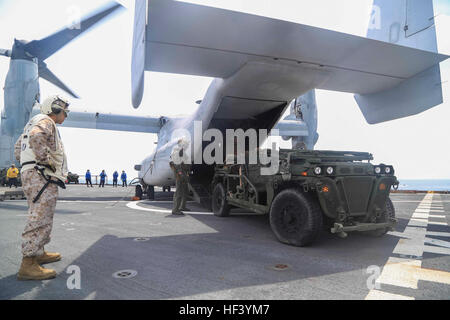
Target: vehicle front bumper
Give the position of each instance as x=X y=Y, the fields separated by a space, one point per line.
x=338 y=227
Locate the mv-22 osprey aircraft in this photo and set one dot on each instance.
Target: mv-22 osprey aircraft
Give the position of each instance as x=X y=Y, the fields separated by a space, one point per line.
x=261 y=65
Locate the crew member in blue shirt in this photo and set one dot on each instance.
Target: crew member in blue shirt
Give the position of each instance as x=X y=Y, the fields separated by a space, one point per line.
x=124 y=179
x=115 y=177
x=88 y=178
x=102 y=179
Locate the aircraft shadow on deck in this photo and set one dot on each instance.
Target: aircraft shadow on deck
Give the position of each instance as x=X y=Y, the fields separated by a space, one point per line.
x=23 y=207
x=239 y=255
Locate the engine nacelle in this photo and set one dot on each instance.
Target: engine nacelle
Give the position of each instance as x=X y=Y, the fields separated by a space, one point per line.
x=138 y=55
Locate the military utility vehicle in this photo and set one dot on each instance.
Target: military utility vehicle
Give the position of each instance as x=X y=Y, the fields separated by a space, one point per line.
x=72 y=178
x=312 y=190
x=3 y=179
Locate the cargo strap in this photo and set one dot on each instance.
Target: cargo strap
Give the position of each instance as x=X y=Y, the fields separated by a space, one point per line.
x=27 y=163
x=59 y=183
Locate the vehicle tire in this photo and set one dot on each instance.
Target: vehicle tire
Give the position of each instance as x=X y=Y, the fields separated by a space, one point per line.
x=387 y=214
x=169 y=189
x=219 y=202
x=139 y=192
x=296 y=218
x=151 y=193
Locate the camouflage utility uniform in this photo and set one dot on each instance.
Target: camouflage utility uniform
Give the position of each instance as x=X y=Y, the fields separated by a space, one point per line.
x=40 y=214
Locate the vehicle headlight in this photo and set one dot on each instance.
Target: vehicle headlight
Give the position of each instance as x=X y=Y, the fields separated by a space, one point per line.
x=330 y=170
x=317 y=170
x=387 y=170
x=377 y=170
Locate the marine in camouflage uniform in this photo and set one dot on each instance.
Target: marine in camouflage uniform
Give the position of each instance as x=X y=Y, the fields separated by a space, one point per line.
x=43 y=139
x=181 y=173
x=40 y=214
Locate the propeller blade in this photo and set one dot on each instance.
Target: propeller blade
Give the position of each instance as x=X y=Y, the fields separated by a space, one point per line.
x=46 y=74
x=44 y=48
x=4 y=52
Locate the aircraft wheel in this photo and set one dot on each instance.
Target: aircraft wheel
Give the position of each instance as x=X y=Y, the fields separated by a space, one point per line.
x=220 y=206
x=295 y=218
x=151 y=193
x=139 y=192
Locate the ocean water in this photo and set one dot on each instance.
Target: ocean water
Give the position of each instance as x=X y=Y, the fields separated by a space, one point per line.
x=424 y=185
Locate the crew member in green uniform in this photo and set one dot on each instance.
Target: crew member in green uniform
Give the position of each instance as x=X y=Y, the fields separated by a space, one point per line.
x=181 y=172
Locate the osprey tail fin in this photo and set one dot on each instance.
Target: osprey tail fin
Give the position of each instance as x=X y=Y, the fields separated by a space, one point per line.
x=407 y=23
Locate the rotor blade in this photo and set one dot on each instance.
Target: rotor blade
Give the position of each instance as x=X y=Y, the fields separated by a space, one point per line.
x=4 y=52
x=46 y=74
x=44 y=48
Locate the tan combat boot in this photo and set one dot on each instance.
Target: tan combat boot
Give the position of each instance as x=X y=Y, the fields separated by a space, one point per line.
x=48 y=257
x=31 y=270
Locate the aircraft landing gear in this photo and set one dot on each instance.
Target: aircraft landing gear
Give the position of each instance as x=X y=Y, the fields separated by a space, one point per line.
x=142 y=189
x=150 y=192
x=166 y=189
x=139 y=192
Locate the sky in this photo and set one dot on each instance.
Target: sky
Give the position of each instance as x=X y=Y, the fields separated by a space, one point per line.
x=97 y=67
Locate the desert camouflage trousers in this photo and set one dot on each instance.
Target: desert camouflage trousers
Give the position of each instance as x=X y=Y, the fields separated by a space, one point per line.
x=40 y=214
x=181 y=194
